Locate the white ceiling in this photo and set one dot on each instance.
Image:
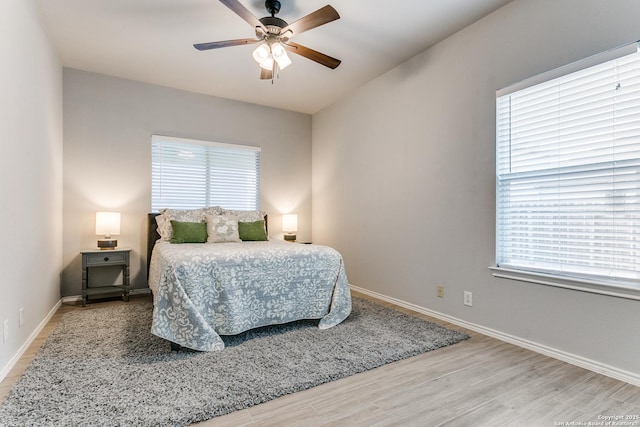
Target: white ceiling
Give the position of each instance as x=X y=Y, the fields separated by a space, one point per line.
x=151 y=41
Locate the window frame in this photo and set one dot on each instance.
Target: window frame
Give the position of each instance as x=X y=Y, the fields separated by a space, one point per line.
x=629 y=289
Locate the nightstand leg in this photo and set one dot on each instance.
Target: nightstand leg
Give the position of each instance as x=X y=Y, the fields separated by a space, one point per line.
x=125 y=281
x=84 y=286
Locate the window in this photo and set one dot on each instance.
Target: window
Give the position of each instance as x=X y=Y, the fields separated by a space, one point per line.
x=188 y=174
x=568 y=172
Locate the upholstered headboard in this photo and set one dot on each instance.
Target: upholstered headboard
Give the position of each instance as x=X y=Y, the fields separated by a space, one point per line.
x=153 y=235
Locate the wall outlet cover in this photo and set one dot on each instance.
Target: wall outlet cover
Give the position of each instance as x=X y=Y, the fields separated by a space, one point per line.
x=468 y=298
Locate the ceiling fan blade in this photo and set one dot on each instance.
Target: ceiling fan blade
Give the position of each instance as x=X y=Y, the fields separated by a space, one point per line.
x=266 y=74
x=314 y=19
x=243 y=13
x=225 y=43
x=313 y=55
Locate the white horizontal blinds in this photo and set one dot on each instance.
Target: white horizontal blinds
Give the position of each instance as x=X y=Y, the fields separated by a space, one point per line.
x=178 y=175
x=568 y=173
x=234 y=178
x=187 y=174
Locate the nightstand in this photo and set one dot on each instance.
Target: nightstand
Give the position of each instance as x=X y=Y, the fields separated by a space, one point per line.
x=96 y=258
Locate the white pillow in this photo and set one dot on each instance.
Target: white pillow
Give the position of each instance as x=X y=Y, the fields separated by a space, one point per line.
x=183 y=215
x=160 y=222
x=222 y=228
x=246 y=216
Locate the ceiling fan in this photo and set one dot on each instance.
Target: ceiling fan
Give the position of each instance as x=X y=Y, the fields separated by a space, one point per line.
x=274 y=36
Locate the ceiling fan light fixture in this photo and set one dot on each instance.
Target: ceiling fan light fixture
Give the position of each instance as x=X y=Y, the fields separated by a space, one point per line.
x=267 y=63
x=280 y=55
x=277 y=49
x=261 y=53
x=283 y=61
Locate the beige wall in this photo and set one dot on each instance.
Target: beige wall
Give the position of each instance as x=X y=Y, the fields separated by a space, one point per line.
x=30 y=174
x=108 y=123
x=404 y=178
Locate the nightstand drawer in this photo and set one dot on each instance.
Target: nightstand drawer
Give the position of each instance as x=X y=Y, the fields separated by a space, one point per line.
x=106 y=259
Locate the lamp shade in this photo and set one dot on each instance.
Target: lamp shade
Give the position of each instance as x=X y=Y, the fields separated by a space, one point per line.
x=107 y=223
x=290 y=223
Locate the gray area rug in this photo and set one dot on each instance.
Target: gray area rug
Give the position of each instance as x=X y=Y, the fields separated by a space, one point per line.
x=103 y=367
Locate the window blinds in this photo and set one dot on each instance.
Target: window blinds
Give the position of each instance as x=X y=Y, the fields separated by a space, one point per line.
x=568 y=174
x=188 y=174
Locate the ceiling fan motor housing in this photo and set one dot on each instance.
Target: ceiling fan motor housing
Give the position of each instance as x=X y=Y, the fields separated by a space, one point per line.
x=274 y=26
x=272 y=21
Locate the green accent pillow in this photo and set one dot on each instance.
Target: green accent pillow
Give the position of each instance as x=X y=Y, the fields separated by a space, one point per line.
x=188 y=232
x=252 y=231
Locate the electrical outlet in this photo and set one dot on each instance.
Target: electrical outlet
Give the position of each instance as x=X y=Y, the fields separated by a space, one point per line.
x=5 y=334
x=468 y=298
x=440 y=291
x=21 y=313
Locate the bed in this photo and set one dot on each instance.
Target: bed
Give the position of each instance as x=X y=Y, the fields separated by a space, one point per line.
x=204 y=290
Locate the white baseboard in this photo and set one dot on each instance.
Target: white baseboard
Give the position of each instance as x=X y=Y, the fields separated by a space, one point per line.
x=74 y=298
x=5 y=371
x=592 y=365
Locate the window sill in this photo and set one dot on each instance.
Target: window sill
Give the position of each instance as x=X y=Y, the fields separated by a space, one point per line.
x=618 y=290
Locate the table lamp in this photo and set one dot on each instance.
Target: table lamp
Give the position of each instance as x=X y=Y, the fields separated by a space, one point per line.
x=107 y=225
x=290 y=226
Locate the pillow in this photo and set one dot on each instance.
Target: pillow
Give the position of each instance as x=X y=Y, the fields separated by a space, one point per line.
x=222 y=228
x=245 y=216
x=160 y=221
x=188 y=232
x=183 y=215
x=252 y=231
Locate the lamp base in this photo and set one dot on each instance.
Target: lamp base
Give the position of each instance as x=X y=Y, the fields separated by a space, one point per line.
x=106 y=244
x=290 y=237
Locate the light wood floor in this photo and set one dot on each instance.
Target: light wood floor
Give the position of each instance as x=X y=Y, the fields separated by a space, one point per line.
x=478 y=382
